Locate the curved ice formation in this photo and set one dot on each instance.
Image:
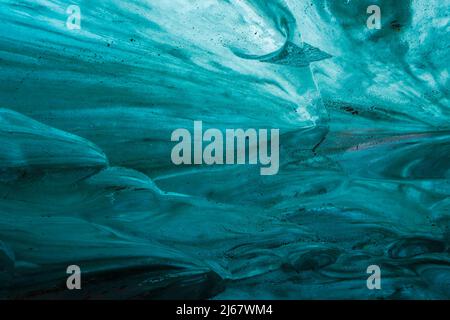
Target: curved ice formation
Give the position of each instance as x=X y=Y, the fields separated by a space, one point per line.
x=85 y=171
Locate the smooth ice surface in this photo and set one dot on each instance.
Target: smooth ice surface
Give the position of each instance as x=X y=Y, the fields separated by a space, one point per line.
x=86 y=177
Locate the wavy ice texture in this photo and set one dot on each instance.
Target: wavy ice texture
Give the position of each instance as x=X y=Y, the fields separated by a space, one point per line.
x=85 y=128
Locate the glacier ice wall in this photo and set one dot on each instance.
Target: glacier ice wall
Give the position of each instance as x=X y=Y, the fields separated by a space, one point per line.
x=86 y=178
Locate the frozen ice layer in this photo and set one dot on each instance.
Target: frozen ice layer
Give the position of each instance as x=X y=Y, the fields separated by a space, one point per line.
x=90 y=96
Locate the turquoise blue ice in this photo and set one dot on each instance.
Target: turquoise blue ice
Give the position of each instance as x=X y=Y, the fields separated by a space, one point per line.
x=85 y=171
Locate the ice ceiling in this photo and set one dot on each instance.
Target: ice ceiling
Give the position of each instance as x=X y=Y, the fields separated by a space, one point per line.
x=85 y=171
